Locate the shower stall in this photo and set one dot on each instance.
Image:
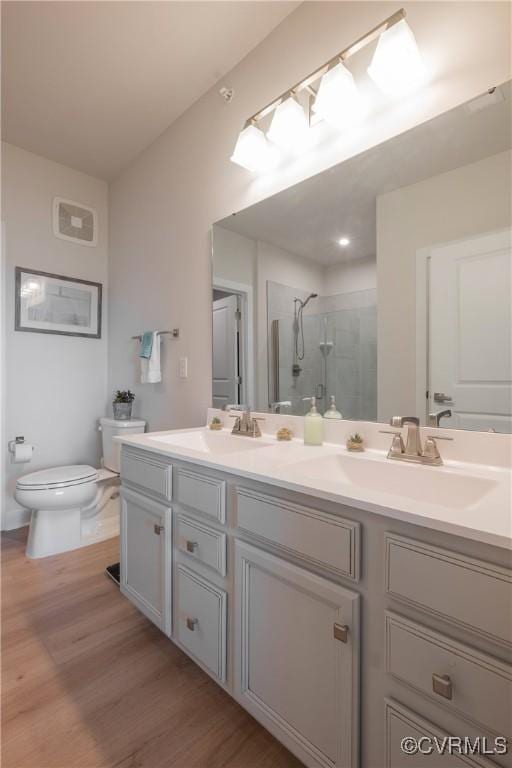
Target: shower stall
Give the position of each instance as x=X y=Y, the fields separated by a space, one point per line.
x=322 y=346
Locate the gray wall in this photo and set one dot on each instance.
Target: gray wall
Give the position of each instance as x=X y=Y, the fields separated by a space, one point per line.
x=55 y=387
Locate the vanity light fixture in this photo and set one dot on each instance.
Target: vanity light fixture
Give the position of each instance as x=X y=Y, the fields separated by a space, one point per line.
x=338 y=101
x=289 y=128
x=396 y=67
x=344 y=241
x=252 y=150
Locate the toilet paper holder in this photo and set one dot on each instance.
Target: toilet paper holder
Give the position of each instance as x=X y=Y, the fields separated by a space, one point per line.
x=12 y=444
x=17 y=441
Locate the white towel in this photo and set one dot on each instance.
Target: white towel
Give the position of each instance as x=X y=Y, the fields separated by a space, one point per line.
x=150 y=372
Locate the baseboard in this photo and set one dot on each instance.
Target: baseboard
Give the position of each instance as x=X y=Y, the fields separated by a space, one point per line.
x=17 y=517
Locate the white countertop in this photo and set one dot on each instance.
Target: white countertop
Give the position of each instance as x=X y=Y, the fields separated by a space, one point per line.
x=477 y=497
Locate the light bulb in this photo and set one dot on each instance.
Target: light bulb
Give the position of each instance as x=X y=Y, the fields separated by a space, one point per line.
x=252 y=150
x=344 y=241
x=338 y=101
x=397 y=66
x=289 y=128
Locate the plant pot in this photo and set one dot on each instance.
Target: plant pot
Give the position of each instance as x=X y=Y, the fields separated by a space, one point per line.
x=353 y=446
x=122 y=411
x=215 y=426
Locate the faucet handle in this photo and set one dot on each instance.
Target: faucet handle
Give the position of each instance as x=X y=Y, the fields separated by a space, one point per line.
x=397 y=444
x=430 y=449
x=254 y=427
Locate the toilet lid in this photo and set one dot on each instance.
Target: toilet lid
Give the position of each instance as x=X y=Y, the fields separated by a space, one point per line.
x=58 y=477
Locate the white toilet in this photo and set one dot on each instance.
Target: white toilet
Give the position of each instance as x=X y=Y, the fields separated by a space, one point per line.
x=67 y=502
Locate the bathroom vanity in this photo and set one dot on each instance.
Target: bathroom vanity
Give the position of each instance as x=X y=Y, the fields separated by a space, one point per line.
x=342 y=617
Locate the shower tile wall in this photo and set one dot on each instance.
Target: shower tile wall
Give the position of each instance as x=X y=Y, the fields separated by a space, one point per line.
x=352 y=366
x=350 y=322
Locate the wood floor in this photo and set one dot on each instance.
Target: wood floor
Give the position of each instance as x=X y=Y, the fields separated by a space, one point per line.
x=88 y=682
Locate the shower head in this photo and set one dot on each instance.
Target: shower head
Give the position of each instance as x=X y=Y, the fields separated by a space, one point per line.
x=311 y=296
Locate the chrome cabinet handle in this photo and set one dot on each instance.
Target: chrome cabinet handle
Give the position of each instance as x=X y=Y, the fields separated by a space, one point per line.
x=192 y=546
x=340 y=632
x=442 y=685
x=192 y=624
x=158 y=529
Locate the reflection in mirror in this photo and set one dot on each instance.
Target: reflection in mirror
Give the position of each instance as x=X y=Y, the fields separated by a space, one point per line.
x=383 y=282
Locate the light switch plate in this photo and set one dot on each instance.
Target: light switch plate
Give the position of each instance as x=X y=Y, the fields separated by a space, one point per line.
x=183 y=368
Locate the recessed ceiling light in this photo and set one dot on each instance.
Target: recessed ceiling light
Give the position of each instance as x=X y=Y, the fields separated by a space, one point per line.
x=344 y=241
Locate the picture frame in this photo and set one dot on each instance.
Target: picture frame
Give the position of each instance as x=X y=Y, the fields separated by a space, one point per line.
x=50 y=303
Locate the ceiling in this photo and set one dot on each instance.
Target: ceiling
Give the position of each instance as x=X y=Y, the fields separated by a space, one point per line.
x=309 y=218
x=91 y=84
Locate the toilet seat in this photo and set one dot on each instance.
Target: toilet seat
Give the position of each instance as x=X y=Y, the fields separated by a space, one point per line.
x=57 y=477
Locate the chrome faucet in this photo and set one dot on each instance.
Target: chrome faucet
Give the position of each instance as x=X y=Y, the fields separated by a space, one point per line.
x=412 y=450
x=245 y=424
x=435 y=418
x=413 y=444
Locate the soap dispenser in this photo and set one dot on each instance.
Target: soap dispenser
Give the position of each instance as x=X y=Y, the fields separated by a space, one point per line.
x=332 y=412
x=313 y=426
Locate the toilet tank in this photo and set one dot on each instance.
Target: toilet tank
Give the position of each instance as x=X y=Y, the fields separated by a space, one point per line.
x=109 y=428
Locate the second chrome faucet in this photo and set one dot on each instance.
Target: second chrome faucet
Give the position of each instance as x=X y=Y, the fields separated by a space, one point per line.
x=245 y=424
x=413 y=451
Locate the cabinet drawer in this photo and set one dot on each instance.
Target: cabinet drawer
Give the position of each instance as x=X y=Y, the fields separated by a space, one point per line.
x=201 y=620
x=147 y=472
x=201 y=493
x=468 y=682
x=315 y=537
x=202 y=543
x=457 y=588
x=402 y=723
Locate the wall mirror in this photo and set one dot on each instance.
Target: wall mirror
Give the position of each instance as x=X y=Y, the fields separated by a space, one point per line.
x=384 y=281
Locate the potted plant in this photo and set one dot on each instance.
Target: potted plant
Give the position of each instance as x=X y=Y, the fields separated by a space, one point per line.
x=355 y=442
x=122 y=404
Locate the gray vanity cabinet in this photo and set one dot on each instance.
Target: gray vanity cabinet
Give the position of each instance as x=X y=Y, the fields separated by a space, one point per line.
x=146 y=532
x=297 y=656
x=341 y=631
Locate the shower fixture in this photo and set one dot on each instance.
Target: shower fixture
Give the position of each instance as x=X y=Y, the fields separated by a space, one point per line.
x=298 y=331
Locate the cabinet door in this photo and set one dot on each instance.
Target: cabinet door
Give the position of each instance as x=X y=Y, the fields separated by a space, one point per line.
x=297 y=653
x=146 y=556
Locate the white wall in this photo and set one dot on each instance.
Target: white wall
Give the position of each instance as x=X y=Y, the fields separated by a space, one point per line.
x=55 y=387
x=234 y=257
x=468 y=201
x=163 y=205
x=357 y=275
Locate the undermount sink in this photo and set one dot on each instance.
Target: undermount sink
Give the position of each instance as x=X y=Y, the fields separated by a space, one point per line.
x=427 y=485
x=209 y=441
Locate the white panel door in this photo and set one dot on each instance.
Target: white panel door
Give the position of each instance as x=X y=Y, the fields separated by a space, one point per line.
x=225 y=351
x=470 y=332
x=146 y=553
x=295 y=669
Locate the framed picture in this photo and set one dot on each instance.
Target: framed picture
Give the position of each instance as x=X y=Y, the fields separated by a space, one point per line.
x=47 y=303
